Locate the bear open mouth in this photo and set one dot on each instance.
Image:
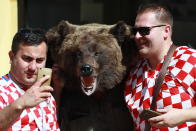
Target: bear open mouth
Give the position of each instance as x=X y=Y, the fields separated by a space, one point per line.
x=88 y=84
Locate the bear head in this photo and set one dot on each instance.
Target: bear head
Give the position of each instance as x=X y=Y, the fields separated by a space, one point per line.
x=94 y=57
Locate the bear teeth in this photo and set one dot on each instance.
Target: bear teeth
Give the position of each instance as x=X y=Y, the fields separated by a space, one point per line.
x=88 y=85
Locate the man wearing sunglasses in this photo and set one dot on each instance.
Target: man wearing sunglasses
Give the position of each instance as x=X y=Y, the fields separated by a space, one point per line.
x=26 y=105
x=177 y=96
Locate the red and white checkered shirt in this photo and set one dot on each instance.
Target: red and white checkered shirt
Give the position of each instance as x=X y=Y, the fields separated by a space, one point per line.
x=177 y=91
x=39 y=118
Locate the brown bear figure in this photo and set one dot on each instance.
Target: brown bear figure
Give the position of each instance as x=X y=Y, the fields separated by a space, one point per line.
x=92 y=59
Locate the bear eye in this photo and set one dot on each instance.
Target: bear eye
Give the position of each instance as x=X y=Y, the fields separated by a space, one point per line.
x=79 y=54
x=97 y=53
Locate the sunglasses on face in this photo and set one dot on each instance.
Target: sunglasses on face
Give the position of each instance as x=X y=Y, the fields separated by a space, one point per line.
x=144 y=30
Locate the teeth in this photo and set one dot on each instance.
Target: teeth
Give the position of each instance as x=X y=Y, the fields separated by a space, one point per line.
x=90 y=88
x=87 y=88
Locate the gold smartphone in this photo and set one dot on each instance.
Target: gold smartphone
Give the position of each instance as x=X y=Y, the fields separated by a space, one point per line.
x=42 y=72
x=147 y=114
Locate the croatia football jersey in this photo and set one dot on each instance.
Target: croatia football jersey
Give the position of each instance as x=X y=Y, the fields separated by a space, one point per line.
x=177 y=91
x=39 y=118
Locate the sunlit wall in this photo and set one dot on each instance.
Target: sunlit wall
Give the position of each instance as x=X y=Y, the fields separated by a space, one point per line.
x=8 y=27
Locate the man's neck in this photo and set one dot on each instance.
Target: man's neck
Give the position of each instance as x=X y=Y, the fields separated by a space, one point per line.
x=18 y=83
x=156 y=58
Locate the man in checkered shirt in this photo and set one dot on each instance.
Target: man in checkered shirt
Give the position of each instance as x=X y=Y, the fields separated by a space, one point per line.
x=177 y=99
x=26 y=105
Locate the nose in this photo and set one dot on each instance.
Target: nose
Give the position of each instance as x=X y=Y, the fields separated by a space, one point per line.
x=137 y=35
x=33 y=65
x=86 y=70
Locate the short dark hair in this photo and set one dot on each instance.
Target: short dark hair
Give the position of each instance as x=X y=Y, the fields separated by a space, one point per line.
x=162 y=13
x=27 y=36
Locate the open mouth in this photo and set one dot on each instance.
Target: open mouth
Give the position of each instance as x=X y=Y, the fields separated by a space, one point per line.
x=88 y=84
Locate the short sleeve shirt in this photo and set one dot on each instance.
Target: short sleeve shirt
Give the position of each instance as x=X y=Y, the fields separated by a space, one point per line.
x=39 y=118
x=177 y=91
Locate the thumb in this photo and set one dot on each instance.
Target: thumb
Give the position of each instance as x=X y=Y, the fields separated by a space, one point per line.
x=165 y=110
x=40 y=81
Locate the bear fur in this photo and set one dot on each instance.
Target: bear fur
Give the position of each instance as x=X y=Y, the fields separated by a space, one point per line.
x=92 y=59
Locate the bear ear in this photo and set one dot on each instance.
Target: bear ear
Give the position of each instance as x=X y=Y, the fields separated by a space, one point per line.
x=121 y=32
x=57 y=33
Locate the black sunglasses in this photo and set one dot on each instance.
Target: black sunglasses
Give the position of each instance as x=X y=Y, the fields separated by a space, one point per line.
x=144 y=30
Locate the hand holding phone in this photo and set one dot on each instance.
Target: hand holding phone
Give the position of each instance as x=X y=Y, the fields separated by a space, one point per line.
x=147 y=114
x=42 y=72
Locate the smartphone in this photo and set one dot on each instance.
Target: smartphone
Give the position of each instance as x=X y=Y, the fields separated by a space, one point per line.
x=42 y=72
x=147 y=114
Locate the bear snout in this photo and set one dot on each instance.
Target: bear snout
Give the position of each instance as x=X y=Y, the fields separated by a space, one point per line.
x=86 y=70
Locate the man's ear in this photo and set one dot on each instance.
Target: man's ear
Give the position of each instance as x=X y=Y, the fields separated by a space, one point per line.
x=11 y=56
x=167 y=31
